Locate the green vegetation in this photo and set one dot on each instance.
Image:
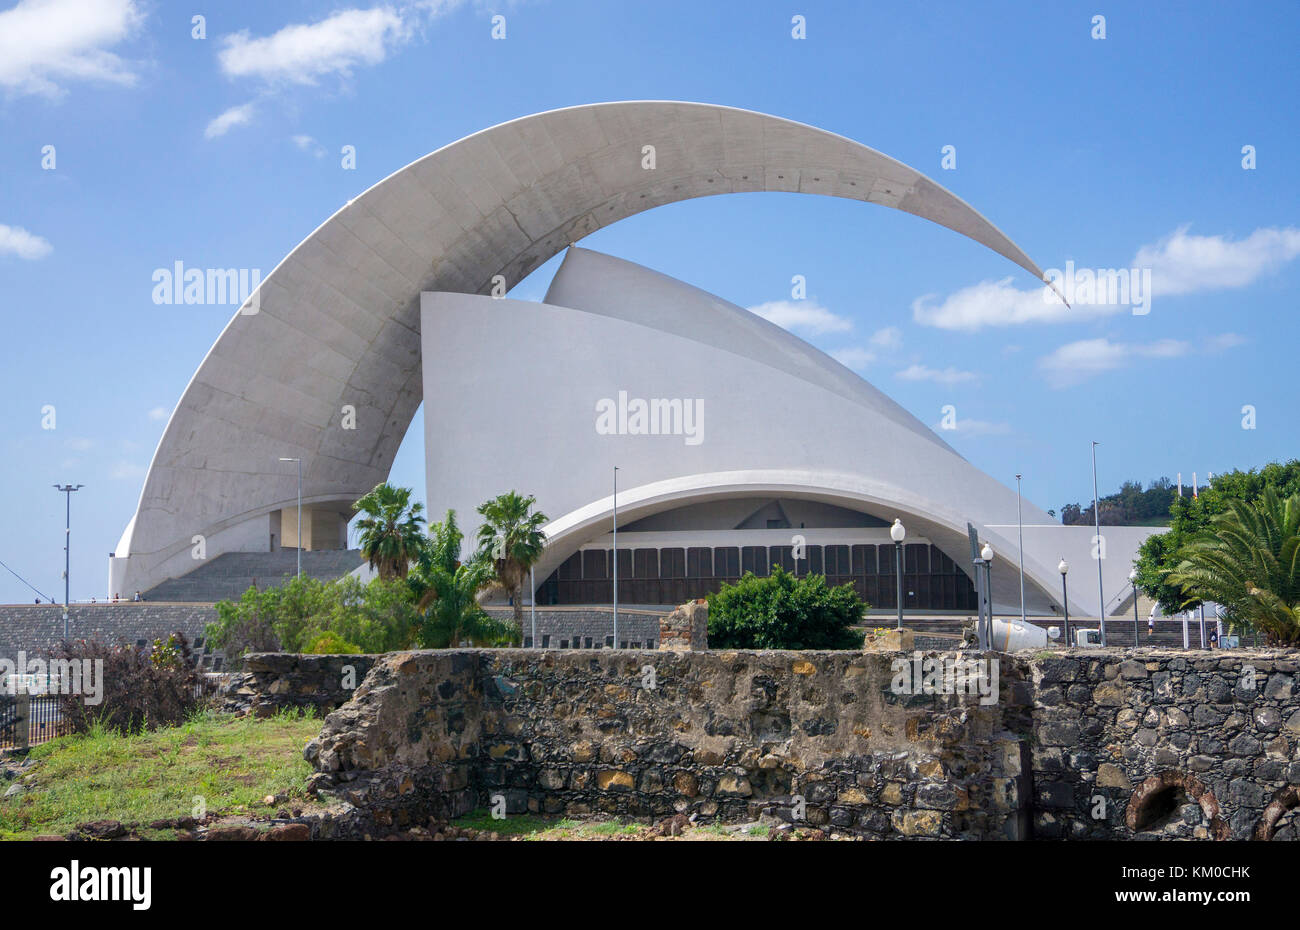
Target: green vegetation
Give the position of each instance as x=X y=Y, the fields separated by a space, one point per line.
x=143 y=686
x=511 y=539
x=1249 y=561
x=377 y=617
x=781 y=611
x=429 y=600
x=1130 y=506
x=232 y=763
x=1191 y=519
x=447 y=591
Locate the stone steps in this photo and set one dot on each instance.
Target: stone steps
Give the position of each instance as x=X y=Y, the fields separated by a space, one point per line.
x=229 y=575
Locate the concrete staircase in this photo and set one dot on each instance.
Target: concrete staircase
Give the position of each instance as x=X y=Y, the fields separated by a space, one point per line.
x=229 y=575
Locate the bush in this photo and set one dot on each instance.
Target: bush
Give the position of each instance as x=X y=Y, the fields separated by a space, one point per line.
x=781 y=611
x=377 y=617
x=331 y=643
x=143 y=686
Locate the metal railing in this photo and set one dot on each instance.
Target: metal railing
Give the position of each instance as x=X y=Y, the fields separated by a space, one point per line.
x=39 y=714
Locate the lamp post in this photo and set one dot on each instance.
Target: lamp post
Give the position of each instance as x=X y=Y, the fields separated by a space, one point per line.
x=898 y=533
x=1063 y=567
x=298 y=537
x=1133 y=580
x=615 y=556
x=67 y=490
x=1020 y=530
x=1096 y=516
x=986 y=553
x=532 y=610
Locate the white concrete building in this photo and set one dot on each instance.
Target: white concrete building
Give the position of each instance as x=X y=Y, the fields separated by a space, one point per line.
x=759 y=438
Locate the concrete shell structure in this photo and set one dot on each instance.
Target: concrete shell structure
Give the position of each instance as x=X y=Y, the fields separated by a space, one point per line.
x=324 y=362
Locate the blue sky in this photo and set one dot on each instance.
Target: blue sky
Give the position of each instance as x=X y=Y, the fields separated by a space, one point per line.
x=1115 y=153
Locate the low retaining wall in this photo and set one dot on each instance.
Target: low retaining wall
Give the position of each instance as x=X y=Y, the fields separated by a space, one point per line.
x=823 y=737
x=36 y=629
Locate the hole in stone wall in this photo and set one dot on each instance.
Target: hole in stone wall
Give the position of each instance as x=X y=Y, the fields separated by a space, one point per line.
x=1177 y=805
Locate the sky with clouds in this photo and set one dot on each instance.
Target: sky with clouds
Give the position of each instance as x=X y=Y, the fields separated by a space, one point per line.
x=1155 y=165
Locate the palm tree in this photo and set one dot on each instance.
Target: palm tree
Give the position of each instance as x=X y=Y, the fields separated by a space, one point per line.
x=391 y=538
x=1249 y=561
x=511 y=539
x=455 y=615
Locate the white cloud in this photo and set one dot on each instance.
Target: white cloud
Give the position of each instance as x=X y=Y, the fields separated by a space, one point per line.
x=937 y=375
x=302 y=53
x=45 y=42
x=79 y=444
x=159 y=413
x=890 y=338
x=805 y=315
x=1179 y=264
x=998 y=303
x=309 y=145
x=1184 y=264
x=854 y=357
x=18 y=241
x=235 y=116
x=1223 y=342
x=1077 y=361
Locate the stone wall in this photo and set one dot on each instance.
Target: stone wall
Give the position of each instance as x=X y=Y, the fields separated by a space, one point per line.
x=686 y=628
x=36 y=629
x=588 y=627
x=722 y=735
x=271 y=681
x=1163 y=743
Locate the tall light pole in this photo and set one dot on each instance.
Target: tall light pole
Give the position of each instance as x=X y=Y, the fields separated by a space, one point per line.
x=986 y=553
x=299 y=535
x=898 y=533
x=615 y=556
x=532 y=586
x=67 y=546
x=1133 y=580
x=1020 y=530
x=1063 y=567
x=1096 y=516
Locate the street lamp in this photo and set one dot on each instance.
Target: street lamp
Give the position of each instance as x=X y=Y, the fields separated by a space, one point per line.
x=1020 y=530
x=1099 y=545
x=1133 y=580
x=1064 y=567
x=67 y=546
x=898 y=533
x=299 y=535
x=986 y=553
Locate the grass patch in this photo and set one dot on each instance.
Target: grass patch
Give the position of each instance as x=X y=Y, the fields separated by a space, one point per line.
x=232 y=763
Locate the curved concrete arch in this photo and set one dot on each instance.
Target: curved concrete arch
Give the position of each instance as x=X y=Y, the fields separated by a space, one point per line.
x=337 y=321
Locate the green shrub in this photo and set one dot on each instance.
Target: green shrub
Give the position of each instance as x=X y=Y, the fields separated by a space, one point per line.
x=143 y=687
x=330 y=643
x=781 y=611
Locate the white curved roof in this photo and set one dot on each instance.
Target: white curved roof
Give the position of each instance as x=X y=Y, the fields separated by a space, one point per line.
x=338 y=323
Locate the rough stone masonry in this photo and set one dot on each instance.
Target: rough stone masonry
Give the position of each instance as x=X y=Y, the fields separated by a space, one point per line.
x=1080 y=744
x=819 y=737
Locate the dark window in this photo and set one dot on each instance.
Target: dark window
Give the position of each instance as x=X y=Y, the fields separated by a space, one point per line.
x=726 y=562
x=672 y=563
x=813 y=562
x=699 y=563
x=781 y=555
x=646 y=563
x=595 y=564
x=754 y=559
x=864 y=560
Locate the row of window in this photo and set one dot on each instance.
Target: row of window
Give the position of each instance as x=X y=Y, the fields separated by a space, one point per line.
x=931 y=580
x=585 y=642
